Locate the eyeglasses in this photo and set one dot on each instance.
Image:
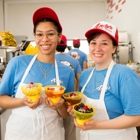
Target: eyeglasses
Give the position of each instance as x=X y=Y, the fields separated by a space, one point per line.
x=50 y=35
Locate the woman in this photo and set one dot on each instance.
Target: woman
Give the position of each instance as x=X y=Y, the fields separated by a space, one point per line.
x=41 y=119
x=113 y=89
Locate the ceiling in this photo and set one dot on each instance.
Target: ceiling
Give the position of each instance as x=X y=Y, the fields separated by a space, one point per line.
x=57 y=0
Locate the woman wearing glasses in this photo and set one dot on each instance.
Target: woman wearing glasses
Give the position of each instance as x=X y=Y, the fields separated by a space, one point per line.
x=39 y=120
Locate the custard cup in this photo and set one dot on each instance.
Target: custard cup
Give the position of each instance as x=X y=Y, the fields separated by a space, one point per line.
x=54 y=92
x=81 y=117
x=73 y=98
x=32 y=93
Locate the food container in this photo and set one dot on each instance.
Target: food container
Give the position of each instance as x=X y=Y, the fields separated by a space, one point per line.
x=83 y=112
x=73 y=98
x=32 y=92
x=54 y=92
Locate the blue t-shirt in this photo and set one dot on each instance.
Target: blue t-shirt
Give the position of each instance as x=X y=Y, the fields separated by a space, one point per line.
x=69 y=61
x=79 y=55
x=16 y=69
x=123 y=90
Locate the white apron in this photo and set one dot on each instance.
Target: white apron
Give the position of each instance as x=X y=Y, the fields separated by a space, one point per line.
x=101 y=114
x=41 y=123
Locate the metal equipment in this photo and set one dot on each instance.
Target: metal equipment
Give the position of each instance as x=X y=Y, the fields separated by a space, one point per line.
x=124 y=54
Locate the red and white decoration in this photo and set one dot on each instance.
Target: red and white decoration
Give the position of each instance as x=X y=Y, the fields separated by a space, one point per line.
x=114 y=6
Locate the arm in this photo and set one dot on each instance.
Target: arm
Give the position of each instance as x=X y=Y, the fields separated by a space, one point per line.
x=77 y=81
x=63 y=111
x=8 y=102
x=85 y=66
x=121 y=122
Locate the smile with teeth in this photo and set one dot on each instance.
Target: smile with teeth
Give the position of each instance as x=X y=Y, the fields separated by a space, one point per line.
x=98 y=54
x=45 y=46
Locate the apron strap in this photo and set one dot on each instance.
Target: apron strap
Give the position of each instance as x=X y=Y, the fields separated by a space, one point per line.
x=57 y=74
x=82 y=90
x=104 y=88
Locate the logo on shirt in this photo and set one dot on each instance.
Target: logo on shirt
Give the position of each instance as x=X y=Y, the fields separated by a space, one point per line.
x=67 y=64
x=75 y=55
x=54 y=81
x=99 y=89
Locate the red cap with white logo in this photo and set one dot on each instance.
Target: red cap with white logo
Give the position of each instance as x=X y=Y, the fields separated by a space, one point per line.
x=104 y=27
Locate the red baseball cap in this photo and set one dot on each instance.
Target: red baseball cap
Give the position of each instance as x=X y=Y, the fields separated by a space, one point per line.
x=76 y=41
x=63 y=42
x=45 y=12
x=104 y=27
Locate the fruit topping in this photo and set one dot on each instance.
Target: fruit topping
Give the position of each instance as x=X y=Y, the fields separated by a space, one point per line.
x=55 y=88
x=51 y=88
x=31 y=85
x=61 y=88
x=72 y=95
x=83 y=108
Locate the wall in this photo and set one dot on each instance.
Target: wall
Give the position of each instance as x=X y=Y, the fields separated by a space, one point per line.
x=126 y=17
x=76 y=17
x=1 y=16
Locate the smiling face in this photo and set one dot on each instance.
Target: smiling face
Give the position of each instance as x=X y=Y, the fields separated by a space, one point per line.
x=47 y=38
x=101 y=49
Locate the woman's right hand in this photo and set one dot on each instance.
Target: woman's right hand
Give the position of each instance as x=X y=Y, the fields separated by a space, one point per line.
x=34 y=105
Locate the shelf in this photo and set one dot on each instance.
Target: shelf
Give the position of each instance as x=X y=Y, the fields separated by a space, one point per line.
x=124 y=44
x=10 y=48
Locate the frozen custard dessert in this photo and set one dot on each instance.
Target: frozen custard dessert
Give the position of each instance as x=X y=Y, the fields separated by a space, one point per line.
x=73 y=98
x=54 y=92
x=32 y=91
x=83 y=112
